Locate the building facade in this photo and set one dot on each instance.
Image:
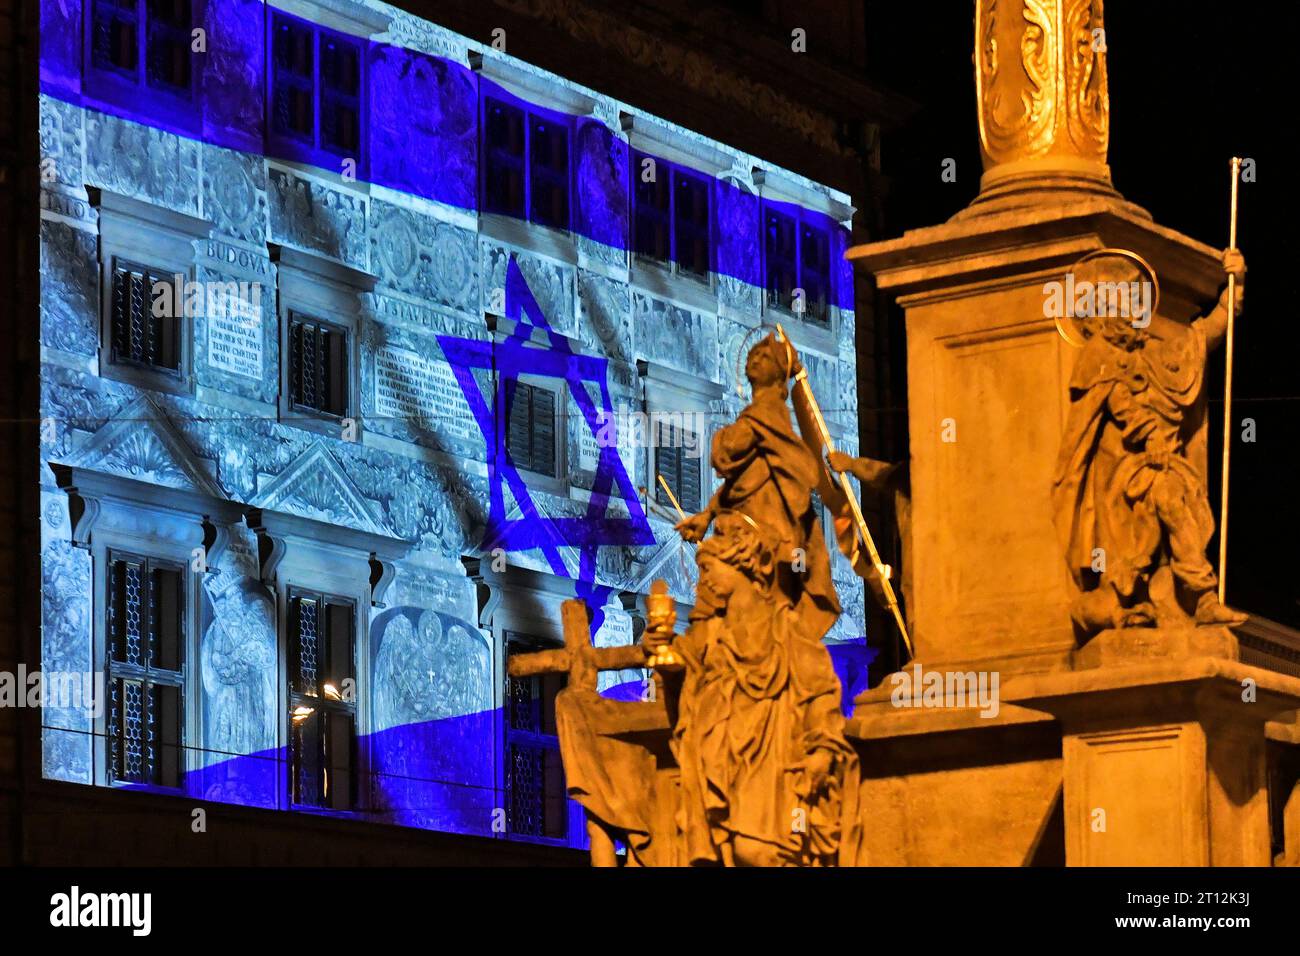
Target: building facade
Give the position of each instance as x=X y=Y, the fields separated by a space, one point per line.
x=363 y=345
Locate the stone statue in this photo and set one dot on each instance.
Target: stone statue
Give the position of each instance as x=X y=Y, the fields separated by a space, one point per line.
x=767 y=775
x=769 y=474
x=1128 y=501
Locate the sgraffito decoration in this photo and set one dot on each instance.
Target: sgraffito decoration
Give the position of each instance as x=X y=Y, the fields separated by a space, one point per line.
x=614 y=515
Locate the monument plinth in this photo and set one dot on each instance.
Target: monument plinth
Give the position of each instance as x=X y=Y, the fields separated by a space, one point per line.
x=1059 y=517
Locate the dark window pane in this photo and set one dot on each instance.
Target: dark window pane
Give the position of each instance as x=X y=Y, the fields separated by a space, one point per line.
x=168 y=608
x=339 y=749
x=305 y=624
x=167 y=733
x=503 y=140
x=306 y=757
x=780 y=249
x=550 y=173
x=340 y=88
x=814 y=271
x=293 y=61
x=168 y=44
x=115 y=36
x=653 y=203
x=691 y=223
x=339 y=656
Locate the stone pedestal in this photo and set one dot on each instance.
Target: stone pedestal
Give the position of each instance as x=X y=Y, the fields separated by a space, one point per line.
x=1164 y=761
x=988 y=378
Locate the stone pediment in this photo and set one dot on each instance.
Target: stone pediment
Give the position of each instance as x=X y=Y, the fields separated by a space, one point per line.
x=316 y=486
x=141 y=443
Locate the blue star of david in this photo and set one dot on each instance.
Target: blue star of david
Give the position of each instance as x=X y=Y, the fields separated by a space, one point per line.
x=598 y=527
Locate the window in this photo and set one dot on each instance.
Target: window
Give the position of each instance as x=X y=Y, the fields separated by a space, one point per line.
x=322 y=702
x=144 y=43
x=671 y=216
x=530 y=438
x=146 y=640
x=797 y=254
x=526 y=164
x=138 y=334
x=316 y=91
x=318 y=366
x=536 y=800
x=673 y=459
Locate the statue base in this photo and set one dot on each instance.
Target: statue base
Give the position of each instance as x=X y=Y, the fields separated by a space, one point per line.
x=1119 y=646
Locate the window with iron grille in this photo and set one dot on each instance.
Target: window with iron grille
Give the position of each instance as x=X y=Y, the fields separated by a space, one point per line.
x=322 y=701
x=144 y=661
x=797 y=256
x=530 y=438
x=138 y=335
x=144 y=43
x=525 y=164
x=680 y=468
x=316 y=90
x=318 y=366
x=536 y=800
x=671 y=216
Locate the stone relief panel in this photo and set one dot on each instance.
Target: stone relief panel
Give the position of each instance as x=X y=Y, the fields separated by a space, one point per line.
x=234 y=195
x=69 y=289
x=67 y=736
x=602 y=207
x=233 y=70
x=142 y=162
x=239 y=711
x=552 y=283
x=432 y=744
x=605 y=317
x=424 y=257
x=675 y=337
x=311 y=215
x=423 y=125
x=63 y=138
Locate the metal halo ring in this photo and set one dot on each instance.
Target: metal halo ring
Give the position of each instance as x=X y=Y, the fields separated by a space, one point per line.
x=1122 y=254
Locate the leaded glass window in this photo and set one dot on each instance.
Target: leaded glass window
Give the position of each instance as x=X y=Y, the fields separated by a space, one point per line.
x=139 y=335
x=146 y=640
x=318 y=366
x=322 y=702
x=536 y=800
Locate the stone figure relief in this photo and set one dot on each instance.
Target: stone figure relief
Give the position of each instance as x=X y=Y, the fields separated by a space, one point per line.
x=237 y=663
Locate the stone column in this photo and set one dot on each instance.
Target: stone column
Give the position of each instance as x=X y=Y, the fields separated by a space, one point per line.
x=1152 y=727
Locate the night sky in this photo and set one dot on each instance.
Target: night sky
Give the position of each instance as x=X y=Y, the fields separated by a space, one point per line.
x=1191 y=84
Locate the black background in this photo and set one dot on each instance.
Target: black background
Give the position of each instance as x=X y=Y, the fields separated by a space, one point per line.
x=1191 y=84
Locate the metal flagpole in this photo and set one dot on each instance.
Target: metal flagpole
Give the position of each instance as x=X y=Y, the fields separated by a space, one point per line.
x=1227 y=391
x=882 y=570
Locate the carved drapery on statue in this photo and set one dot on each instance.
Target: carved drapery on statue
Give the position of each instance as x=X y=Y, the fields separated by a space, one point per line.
x=741 y=758
x=1131 y=508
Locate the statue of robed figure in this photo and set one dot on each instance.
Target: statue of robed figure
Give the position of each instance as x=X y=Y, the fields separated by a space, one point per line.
x=1128 y=499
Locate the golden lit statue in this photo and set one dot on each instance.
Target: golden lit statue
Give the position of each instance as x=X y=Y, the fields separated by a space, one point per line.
x=1128 y=500
x=767 y=776
x=769 y=473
